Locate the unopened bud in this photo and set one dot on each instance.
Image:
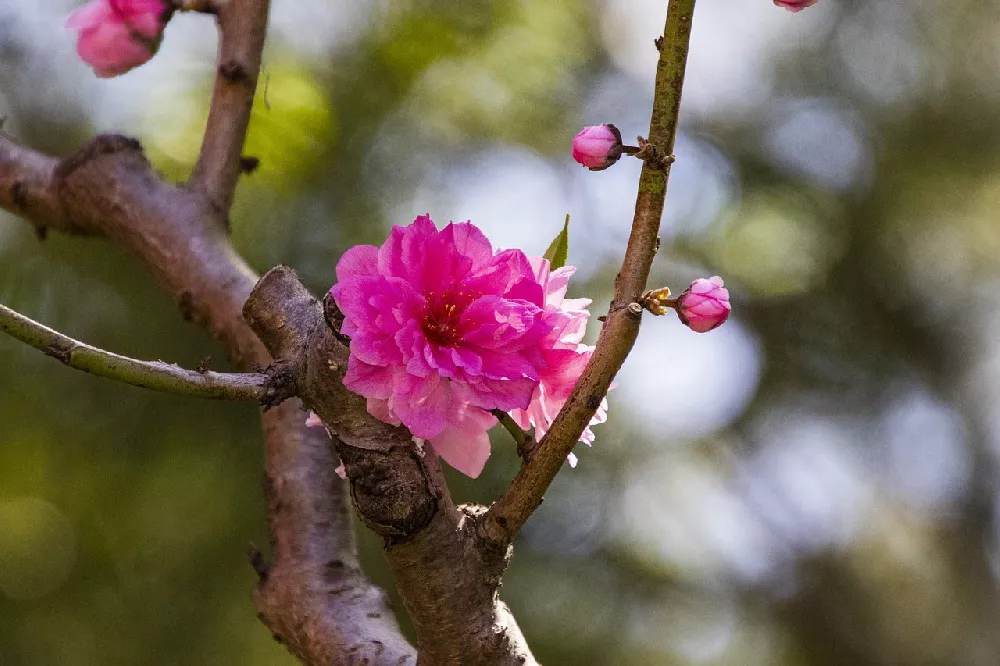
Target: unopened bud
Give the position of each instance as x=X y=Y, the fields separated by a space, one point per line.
x=115 y=36
x=704 y=305
x=597 y=147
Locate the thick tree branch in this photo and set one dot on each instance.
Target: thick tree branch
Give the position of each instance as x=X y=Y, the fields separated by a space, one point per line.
x=621 y=327
x=112 y=190
x=27 y=188
x=155 y=375
x=447 y=576
x=447 y=573
x=242 y=29
x=314 y=596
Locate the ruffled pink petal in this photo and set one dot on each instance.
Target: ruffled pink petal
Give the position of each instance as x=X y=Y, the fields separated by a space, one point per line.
x=466 y=454
x=493 y=322
x=382 y=410
x=506 y=394
x=372 y=381
x=557 y=284
x=564 y=357
x=422 y=404
x=469 y=241
x=510 y=274
x=405 y=252
x=359 y=261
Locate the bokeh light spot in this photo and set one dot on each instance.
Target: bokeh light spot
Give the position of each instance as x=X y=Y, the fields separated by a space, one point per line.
x=37 y=548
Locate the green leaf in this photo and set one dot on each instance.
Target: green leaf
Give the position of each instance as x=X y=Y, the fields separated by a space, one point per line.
x=559 y=247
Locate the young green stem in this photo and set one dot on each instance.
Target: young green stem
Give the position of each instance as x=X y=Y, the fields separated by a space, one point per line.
x=621 y=326
x=147 y=374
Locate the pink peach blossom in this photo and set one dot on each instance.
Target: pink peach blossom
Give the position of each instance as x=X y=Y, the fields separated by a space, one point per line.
x=443 y=330
x=704 y=305
x=115 y=36
x=565 y=355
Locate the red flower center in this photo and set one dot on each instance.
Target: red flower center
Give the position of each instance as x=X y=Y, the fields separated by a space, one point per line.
x=442 y=313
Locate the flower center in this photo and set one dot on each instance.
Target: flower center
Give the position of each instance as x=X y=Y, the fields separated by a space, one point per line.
x=442 y=313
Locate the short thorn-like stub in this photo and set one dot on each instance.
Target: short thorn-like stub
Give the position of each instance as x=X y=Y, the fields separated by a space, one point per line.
x=280 y=385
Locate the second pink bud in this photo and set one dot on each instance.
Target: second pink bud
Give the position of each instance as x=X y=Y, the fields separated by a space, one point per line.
x=704 y=305
x=115 y=36
x=597 y=147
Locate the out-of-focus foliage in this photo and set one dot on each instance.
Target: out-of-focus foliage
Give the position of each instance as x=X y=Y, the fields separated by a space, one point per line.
x=813 y=483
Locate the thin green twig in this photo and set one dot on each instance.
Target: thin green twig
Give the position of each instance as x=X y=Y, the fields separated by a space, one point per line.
x=154 y=375
x=525 y=440
x=621 y=326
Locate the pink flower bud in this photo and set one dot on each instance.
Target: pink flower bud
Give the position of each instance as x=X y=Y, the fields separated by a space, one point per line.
x=118 y=35
x=795 y=5
x=597 y=147
x=704 y=305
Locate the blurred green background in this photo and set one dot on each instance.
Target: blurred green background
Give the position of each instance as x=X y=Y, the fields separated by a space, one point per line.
x=812 y=484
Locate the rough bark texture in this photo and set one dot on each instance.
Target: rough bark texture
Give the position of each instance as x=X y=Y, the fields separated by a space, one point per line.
x=323 y=613
x=447 y=575
x=314 y=596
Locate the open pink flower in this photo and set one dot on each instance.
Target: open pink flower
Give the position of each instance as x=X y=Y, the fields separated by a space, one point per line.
x=795 y=5
x=118 y=35
x=704 y=305
x=442 y=330
x=565 y=355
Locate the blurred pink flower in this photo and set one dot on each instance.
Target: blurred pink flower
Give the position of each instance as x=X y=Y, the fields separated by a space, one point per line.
x=704 y=305
x=118 y=35
x=795 y=5
x=442 y=331
x=565 y=356
x=597 y=147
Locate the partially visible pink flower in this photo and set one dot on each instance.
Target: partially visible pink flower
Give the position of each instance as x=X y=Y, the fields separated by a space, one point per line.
x=118 y=35
x=795 y=5
x=565 y=355
x=442 y=330
x=597 y=147
x=704 y=305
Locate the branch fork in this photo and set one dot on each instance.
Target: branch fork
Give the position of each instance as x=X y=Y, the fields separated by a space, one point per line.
x=447 y=560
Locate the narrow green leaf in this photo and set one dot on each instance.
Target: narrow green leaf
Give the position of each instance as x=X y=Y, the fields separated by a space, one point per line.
x=559 y=247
